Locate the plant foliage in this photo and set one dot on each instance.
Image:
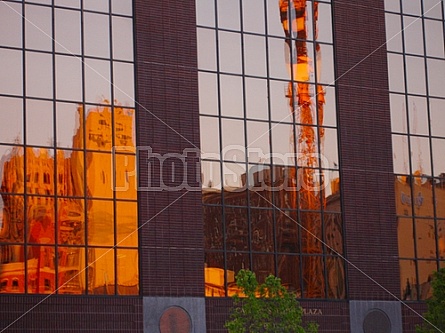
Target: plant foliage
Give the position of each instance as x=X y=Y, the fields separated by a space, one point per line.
x=435 y=316
x=265 y=308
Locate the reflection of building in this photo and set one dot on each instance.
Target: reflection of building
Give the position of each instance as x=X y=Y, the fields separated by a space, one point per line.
x=239 y=86
x=418 y=200
x=280 y=241
x=49 y=221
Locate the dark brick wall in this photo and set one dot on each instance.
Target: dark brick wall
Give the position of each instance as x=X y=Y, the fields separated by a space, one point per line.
x=332 y=317
x=24 y=313
x=171 y=234
x=412 y=315
x=365 y=150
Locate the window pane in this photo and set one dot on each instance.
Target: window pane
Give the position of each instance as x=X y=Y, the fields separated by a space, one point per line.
x=434 y=38
x=436 y=74
x=408 y=280
x=67 y=3
x=41 y=224
x=96 y=5
x=99 y=175
x=208 y=94
x=425 y=238
x=11 y=72
x=432 y=8
x=125 y=182
x=418 y=115
x=124 y=83
x=256 y=98
x=100 y=222
x=336 y=277
x=426 y=270
x=253 y=16
x=67 y=31
x=400 y=154
x=127 y=272
x=324 y=23
x=101 y=271
x=71 y=272
x=313 y=277
x=12 y=181
x=415 y=75
x=229 y=14
x=69 y=131
x=38 y=30
x=96 y=34
x=438 y=158
x=11 y=131
x=123 y=7
x=122 y=38
x=206 y=49
x=255 y=55
x=393 y=33
x=70 y=177
x=39 y=75
x=230 y=52
x=210 y=142
x=398 y=113
x=211 y=179
x=396 y=73
x=205 y=13
x=11 y=21
x=39 y=123
x=231 y=91
x=413 y=34
x=127 y=223
x=68 y=78
x=97 y=81
x=98 y=128
x=437 y=111
x=406 y=237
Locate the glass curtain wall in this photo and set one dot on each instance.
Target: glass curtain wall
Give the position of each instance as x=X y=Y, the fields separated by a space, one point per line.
x=416 y=66
x=270 y=181
x=68 y=209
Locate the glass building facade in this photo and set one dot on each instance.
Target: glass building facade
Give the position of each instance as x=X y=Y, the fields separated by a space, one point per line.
x=315 y=127
x=68 y=205
x=416 y=67
x=270 y=182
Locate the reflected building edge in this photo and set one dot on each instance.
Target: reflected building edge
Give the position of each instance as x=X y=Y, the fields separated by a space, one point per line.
x=43 y=249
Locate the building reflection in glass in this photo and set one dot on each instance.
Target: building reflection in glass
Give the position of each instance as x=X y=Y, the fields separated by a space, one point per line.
x=416 y=68
x=51 y=238
x=277 y=214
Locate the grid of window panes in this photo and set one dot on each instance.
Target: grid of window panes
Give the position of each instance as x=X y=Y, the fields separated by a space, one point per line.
x=416 y=65
x=68 y=209
x=271 y=200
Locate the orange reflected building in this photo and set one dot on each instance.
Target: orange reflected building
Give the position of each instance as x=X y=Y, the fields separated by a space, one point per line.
x=48 y=232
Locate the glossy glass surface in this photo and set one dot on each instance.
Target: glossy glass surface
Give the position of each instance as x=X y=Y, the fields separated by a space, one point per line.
x=271 y=199
x=68 y=203
x=416 y=65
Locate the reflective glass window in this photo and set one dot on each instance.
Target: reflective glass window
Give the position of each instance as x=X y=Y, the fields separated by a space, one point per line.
x=11 y=72
x=67 y=197
x=416 y=112
x=67 y=31
x=11 y=21
x=38 y=29
x=265 y=104
x=12 y=130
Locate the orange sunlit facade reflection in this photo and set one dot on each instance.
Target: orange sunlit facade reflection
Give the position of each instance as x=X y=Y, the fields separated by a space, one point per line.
x=62 y=229
x=270 y=147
